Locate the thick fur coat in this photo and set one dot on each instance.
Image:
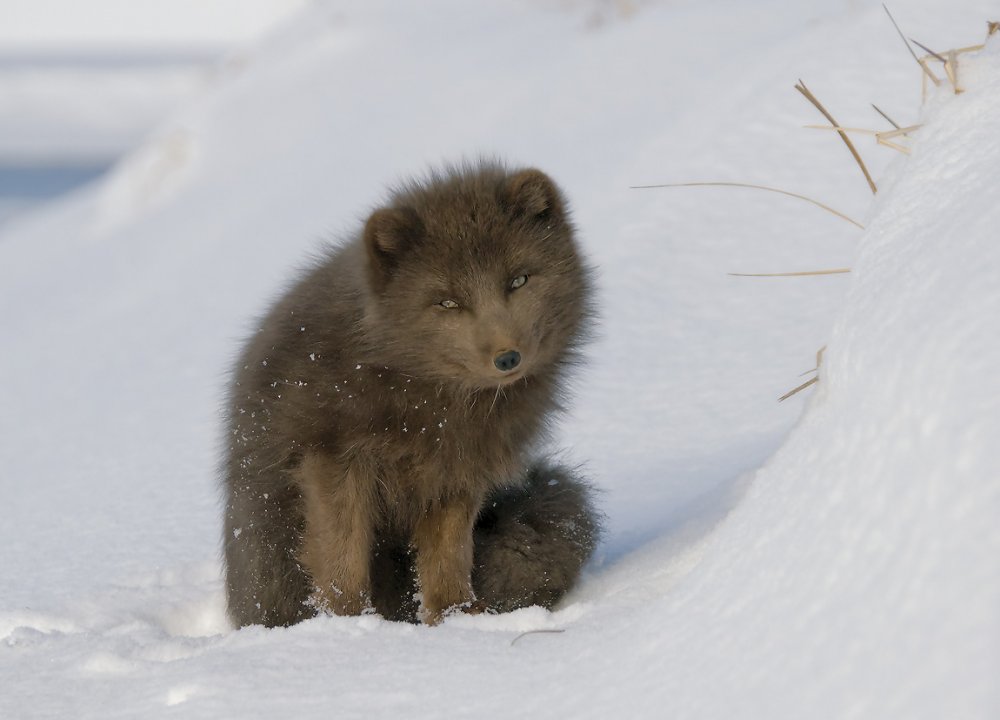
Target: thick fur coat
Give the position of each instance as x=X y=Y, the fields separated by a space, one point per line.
x=382 y=420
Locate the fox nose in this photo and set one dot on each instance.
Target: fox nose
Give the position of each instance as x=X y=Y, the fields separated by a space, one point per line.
x=507 y=360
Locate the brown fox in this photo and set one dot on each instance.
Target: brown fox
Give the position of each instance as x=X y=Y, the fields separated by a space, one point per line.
x=383 y=418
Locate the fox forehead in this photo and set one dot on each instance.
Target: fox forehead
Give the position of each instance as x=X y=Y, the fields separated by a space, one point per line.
x=467 y=276
x=481 y=264
x=474 y=231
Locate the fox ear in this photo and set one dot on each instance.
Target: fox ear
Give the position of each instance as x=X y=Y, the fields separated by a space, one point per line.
x=532 y=194
x=389 y=233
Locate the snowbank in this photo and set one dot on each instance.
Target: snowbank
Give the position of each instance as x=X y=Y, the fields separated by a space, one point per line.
x=859 y=576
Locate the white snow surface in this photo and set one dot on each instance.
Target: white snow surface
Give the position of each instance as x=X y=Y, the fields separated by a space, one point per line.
x=833 y=556
x=86 y=80
x=39 y=25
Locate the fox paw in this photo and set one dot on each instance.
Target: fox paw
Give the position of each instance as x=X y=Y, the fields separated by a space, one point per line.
x=469 y=607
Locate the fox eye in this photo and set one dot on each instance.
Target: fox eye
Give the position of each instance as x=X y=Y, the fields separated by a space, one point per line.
x=519 y=281
x=449 y=304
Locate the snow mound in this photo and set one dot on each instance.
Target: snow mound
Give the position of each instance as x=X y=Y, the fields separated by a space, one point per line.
x=859 y=575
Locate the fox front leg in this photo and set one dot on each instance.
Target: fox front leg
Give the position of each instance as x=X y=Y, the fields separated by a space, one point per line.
x=337 y=538
x=443 y=540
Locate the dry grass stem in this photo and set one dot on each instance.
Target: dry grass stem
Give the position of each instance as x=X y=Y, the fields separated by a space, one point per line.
x=895 y=146
x=839 y=128
x=904 y=131
x=882 y=137
x=817 y=203
x=800 y=273
x=801 y=87
x=884 y=134
x=923 y=79
x=950 y=68
x=811 y=381
x=930 y=52
x=800 y=388
x=953 y=64
x=950 y=62
x=888 y=119
x=819 y=361
x=923 y=66
x=992 y=27
x=819 y=357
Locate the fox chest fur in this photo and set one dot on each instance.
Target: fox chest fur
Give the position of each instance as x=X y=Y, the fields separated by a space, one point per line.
x=416 y=442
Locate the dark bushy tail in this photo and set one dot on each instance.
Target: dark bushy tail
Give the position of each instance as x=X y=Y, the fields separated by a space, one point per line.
x=532 y=540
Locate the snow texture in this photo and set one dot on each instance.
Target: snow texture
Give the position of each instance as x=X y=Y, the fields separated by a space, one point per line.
x=85 y=81
x=832 y=556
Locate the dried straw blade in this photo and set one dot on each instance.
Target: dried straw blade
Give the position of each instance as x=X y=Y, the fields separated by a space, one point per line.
x=838 y=128
x=882 y=137
x=817 y=203
x=888 y=119
x=923 y=66
x=800 y=388
x=819 y=357
x=904 y=131
x=811 y=381
x=950 y=64
x=819 y=361
x=953 y=64
x=801 y=87
x=930 y=52
x=800 y=273
x=884 y=134
x=895 y=146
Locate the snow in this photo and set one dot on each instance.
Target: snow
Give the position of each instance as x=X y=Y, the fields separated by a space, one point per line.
x=47 y=25
x=87 y=80
x=830 y=556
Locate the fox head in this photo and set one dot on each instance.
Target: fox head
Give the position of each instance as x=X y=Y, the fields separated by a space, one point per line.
x=474 y=277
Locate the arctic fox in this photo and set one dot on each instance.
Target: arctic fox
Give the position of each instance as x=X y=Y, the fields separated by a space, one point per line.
x=382 y=420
